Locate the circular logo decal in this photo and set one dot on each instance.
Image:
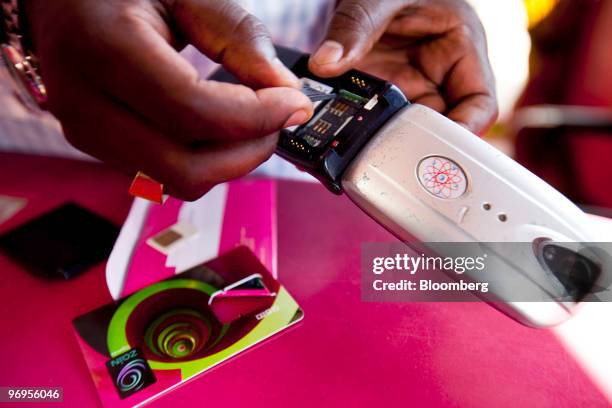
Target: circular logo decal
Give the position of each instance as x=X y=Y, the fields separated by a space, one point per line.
x=442 y=177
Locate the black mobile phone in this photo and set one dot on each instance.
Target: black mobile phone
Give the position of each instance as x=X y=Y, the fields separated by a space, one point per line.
x=60 y=243
x=349 y=110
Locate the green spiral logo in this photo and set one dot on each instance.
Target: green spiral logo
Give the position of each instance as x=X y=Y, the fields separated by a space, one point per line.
x=178 y=333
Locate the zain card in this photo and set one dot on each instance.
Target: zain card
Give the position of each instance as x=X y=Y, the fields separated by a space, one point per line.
x=169 y=332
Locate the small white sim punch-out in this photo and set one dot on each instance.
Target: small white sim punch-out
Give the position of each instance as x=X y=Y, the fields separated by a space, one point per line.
x=430 y=181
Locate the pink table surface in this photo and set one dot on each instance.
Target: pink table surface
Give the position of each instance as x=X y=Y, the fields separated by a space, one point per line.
x=344 y=353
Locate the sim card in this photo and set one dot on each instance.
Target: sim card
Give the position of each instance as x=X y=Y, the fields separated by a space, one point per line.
x=171 y=238
x=315 y=95
x=317 y=91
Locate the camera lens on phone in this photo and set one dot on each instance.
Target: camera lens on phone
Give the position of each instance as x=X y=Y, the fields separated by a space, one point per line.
x=576 y=273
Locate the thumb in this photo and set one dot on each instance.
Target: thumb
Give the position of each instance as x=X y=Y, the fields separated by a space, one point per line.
x=229 y=35
x=354 y=29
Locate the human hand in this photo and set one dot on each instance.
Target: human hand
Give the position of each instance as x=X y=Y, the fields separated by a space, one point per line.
x=434 y=50
x=124 y=95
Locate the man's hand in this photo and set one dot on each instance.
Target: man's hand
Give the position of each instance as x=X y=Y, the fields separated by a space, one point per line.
x=124 y=95
x=434 y=50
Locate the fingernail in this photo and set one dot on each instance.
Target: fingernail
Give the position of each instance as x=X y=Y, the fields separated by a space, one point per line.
x=297 y=118
x=287 y=73
x=330 y=52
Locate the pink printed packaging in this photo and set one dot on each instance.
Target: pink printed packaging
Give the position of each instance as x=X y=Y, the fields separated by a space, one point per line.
x=194 y=284
x=168 y=332
x=159 y=241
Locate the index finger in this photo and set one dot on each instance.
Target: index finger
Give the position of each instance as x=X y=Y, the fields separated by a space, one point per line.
x=134 y=63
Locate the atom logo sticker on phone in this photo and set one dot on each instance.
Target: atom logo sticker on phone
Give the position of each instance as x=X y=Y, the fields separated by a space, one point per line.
x=130 y=372
x=442 y=177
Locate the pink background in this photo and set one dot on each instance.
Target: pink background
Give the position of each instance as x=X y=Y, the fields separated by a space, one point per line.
x=344 y=353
